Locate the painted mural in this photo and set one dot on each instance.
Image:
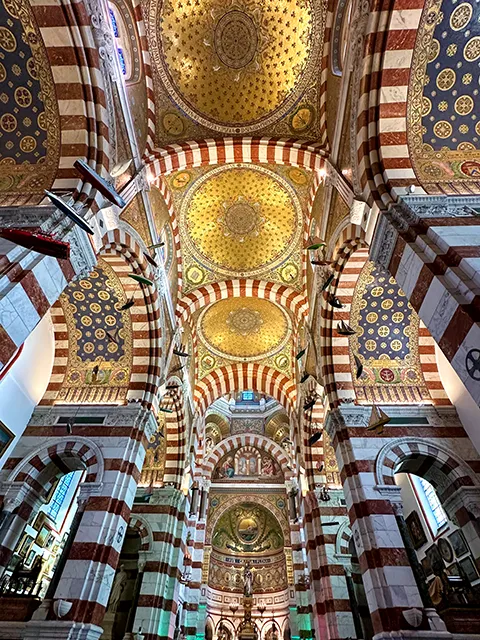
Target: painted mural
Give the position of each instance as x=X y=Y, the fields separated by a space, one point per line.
x=248 y=464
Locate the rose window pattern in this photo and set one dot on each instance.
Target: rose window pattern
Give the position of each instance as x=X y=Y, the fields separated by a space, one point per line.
x=451 y=102
x=23 y=124
x=387 y=339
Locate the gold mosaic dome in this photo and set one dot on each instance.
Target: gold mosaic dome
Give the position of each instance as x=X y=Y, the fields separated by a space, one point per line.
x=239 y=221
x=232 y=65
x=244 y=328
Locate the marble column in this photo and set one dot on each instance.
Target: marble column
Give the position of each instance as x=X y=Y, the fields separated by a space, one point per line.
x=394 y=600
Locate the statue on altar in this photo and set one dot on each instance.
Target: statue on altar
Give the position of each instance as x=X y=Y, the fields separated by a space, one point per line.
x=247 y=581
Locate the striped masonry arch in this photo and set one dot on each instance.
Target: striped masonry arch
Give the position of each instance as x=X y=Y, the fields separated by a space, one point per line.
x=41 y=469
x=185 y=155
x=351 y=239
x=175 y=434
x=124 y=255
x=283 y=295
x=242 y=377
x=67 y=31
x=142 y=527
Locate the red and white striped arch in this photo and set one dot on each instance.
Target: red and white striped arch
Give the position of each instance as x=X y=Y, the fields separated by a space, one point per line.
x=242 y=377
x=351 y=239
x=124 y=255
x=285 y=296
x=351 y=259
x=42 y=467
x=143 y=528
x=247 y=439
x=186 y=155
x=67 y=32
x=382 y=145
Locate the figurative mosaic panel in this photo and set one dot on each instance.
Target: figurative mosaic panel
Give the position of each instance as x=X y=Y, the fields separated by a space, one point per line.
x=248 y=464
x=443 y=102
x=248 y=528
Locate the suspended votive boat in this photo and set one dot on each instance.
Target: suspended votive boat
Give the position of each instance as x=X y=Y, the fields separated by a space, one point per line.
x=378 y=419
x=344 y=329
x=69 y=211
x=140 y=279
x=99 y=183
x=38 y=241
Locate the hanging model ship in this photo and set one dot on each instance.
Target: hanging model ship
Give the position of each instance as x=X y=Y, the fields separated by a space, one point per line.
x=38 y=241
x=69 y=211
x=99 y=183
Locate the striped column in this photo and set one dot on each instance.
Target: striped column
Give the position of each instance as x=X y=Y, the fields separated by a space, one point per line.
x=434 y=260
x=30 y=282
x=113 y=455
x=158 y=601
x=331 y=609
x=390 y=586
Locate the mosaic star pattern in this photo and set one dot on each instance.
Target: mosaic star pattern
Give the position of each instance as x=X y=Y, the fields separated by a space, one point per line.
x=239 y=221
x=387 y=337
x=27 y=104
x=92 y=308
x=235 y=62
x=444 y=100
x=244 y=328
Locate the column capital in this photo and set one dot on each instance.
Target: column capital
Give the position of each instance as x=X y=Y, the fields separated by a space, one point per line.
x=17 y=493
x=465 y=497
x=167 y=495
x=347 y=415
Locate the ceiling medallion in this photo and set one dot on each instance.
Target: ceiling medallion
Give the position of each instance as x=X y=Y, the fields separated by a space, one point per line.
x=244 y=321
x=241 y=219
x=244 y=329
x=236 y=66
x=236 y=39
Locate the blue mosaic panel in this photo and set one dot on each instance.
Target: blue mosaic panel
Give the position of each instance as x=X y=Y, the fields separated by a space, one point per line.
x=385 y=317
x=386 y=341
x=95 y=305
x=23 y=124
x=451 y=104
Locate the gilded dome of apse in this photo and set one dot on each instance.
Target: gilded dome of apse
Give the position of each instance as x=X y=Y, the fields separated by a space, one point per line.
x=235 y=66
x=240 y=221
x=244 y=328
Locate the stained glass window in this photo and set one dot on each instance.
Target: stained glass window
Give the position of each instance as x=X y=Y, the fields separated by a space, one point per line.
x=58 y=497
x=434 y=503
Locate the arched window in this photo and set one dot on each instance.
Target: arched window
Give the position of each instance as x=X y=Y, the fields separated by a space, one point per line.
x=429 y=503
x=59 y=496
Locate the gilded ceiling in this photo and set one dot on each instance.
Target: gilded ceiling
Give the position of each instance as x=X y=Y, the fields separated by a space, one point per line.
x=244 y=328
x=235 y=67
x=248 y=528
x=444 y=129
x=241 y=221
x=248 y=464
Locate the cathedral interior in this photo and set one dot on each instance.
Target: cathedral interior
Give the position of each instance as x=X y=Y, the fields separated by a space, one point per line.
x=239 y=252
